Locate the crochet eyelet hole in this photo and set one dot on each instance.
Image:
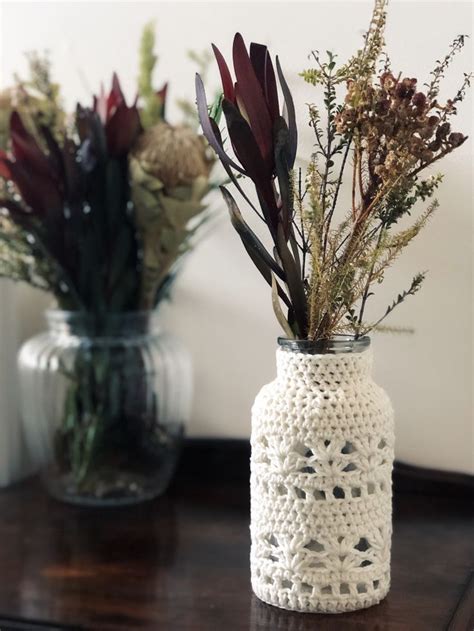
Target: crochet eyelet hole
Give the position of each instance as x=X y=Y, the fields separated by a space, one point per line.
x=326 y=590
x=273 y=541
x=376 y=584
x=286 y=584
x=300 y=494
x=338 y=493
x=319 y=495
x=350 y=467
x=344 y=588
x=356 y=492
x=306 y=588
x=348 y=448
x=314 y=546
x=382 y=444
x=363 y=545
x=361 y=588
x=370 y=488
x=365 y=563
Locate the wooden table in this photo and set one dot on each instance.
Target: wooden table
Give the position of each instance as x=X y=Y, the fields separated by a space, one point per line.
x=180 y=563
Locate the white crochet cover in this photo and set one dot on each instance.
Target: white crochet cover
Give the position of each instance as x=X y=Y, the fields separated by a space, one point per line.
x=321 y=496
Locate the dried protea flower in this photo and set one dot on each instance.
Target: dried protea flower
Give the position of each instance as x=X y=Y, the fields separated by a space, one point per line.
x=175 y=155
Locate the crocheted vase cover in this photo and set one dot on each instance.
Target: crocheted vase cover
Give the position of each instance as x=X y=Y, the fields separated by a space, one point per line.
x=321 y=498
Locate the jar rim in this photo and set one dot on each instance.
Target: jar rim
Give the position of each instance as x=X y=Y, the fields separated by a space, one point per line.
x=338 y=344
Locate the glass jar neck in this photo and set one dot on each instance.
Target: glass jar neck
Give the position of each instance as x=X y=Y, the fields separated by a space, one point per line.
x=334 y=362
x=337 y=345
x=84 y=324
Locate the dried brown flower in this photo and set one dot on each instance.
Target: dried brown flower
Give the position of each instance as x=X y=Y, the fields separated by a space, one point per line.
x=176 y=155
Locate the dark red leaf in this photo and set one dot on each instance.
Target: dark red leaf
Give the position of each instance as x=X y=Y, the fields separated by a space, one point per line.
x=291 y=116
x=92 y=135
x=249 y=155
x=253 y=99
x=255 y=248
x=227 y=83
x=72 y=177
x=207 y=128
x=122 y=130
x=244 y=143
x=26 y=149
x=115 y=98
x=55 y=154
x=258 y=54
x=4 y=166
x=271 y=90
x=228 y=169
x=282 y=156
x=38 y=192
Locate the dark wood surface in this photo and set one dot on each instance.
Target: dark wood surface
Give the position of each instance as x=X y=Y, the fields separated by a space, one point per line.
x=180 y=563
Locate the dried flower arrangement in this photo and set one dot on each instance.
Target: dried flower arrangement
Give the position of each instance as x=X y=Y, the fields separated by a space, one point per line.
x=100 y=210
x=384 y=133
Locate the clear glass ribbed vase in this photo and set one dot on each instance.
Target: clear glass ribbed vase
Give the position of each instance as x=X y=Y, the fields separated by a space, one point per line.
x=104 y=403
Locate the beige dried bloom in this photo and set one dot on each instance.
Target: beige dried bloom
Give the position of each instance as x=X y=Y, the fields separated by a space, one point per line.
x=175 y=155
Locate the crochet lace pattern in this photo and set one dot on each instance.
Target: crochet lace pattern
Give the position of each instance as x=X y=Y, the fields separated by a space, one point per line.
x=321 y=497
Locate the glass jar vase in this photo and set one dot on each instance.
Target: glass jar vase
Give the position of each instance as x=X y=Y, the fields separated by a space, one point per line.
x=104 y=403
x=321 y=491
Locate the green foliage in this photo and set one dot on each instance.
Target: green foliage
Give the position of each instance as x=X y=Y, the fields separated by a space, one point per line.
x=37 y=98
x=152 y=108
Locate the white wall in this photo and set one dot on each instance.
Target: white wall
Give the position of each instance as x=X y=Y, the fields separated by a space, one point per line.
x=222 y=307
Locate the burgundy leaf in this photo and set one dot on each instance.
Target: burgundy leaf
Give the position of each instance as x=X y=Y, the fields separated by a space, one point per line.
x=115 y=98
x=72 y=177
x=246 y=148
x=240 y=104
x=258 y=54
x=207 y=129
x=55 y=153
x=4 y=166
x=244 y=143
x=249 y=238
x=38 y=192
x=227 y=168
x=227 y=83
x=282 y=156
x=100 y=104
x=253 y=99
x=25 y=148
x=122 y=130
x=271 y=90
x=291 y=116
x=92 y=135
